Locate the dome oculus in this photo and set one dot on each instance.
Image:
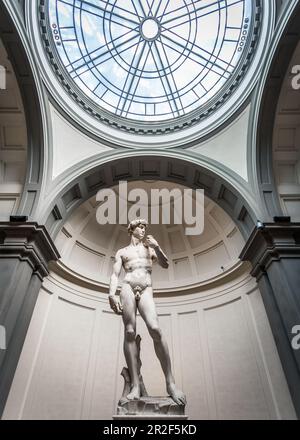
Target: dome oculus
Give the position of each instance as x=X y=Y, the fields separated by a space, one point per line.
x=150 y=60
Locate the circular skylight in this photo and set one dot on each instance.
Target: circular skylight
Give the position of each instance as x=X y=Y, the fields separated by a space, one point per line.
x=151 y=61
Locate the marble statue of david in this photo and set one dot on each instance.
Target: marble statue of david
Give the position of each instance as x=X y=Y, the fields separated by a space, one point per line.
x=137 y=294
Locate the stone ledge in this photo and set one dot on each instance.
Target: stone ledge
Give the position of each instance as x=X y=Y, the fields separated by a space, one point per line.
x=160 y=407
x=149 y=417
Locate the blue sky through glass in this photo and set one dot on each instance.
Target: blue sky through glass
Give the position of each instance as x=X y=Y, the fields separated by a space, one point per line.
x=110 y=52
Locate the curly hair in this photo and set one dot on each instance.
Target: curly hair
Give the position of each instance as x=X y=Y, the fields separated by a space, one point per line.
x=134 y=223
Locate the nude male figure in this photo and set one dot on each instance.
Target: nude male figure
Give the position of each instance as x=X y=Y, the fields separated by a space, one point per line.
x=137 y=294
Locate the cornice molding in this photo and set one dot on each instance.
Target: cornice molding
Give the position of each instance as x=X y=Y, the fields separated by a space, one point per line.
x=271 y=242
x=238 y=271
x=28 y=242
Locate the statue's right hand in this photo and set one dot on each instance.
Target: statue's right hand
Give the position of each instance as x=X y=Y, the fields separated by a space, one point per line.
x=115 y=304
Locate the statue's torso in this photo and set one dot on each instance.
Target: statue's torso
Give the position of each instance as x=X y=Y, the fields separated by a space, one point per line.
x=137 y=263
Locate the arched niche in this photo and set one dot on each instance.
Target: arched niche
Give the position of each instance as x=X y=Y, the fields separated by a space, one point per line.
x=267 y=112
x=209 y=308
x=286 y=141
x=155 y=167
x=16 y=47
x=87 y=248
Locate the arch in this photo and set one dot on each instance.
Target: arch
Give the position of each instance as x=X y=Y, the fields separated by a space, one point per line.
x=159 y=167
x=14 y=40
x=266 y=112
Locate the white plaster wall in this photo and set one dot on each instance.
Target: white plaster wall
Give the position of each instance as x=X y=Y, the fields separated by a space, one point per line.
x=229 y=147
x=70 y=146
x=222 y=350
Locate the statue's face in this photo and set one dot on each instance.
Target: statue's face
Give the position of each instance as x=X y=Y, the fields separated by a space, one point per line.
x=139 y=232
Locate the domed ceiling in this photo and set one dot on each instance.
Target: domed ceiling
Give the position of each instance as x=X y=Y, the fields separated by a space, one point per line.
x=137 y=63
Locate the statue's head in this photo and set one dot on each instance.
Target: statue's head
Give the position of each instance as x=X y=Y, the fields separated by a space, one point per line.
x=138 y=227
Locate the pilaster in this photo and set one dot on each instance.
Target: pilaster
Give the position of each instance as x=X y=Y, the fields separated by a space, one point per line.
x=25 y=251
x=274 y=252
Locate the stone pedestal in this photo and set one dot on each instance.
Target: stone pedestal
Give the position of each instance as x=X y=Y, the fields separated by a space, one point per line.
x=150 y=408
x=274 y=252
x=25 y=251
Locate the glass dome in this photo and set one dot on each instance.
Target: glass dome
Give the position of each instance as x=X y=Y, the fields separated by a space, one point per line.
x=151 y=61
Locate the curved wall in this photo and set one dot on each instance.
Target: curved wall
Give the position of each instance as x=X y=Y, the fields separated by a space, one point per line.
x=87 y=248
x=223 y=354
x=209 y=307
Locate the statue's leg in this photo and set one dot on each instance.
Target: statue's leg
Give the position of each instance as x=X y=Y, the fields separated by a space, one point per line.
x=142 y=385
x=147 y=310
x=130 y=347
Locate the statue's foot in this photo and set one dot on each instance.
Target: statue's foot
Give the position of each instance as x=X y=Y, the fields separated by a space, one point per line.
x=177 y=395
x=123 y=401
x=135 y=393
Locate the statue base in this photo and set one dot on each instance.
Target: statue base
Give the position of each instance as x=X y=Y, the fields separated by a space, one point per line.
x=150 y=408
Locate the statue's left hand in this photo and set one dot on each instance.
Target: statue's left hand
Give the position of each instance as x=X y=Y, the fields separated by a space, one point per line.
x=115 y=304
x=151 y=242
